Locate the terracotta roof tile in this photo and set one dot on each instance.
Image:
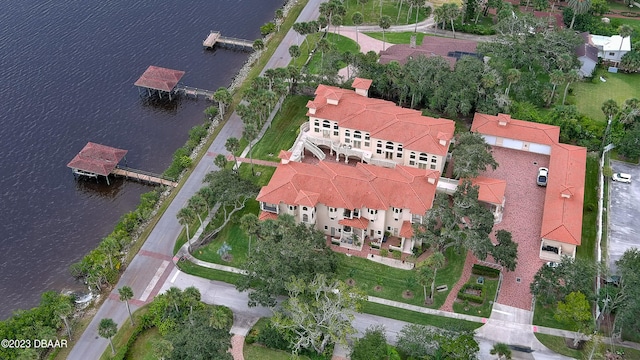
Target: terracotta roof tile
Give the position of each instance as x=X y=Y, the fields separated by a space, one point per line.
x=97 y=159
x=342 y=186
x=384 y=120
x=159 y=78
x=515 y=129
x=358 y=223
x=359 y=83
x=406 y=231
x=265 y=215
x=490 y=190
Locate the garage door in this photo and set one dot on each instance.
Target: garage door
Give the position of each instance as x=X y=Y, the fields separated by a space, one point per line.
x=491 y=140
x=540 y=149
x=512 y=144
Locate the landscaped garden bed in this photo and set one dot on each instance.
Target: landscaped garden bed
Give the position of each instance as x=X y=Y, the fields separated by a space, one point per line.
x=476 y=296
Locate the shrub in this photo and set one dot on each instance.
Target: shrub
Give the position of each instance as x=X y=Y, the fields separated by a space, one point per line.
x=272 y=338
x=267 y=28
x=384 y=252
x=470 y=297
x=485 y=271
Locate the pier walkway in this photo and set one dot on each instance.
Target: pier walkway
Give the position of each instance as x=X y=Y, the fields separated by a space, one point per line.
x=140 y=175
x=215 y=37
x=195 y=92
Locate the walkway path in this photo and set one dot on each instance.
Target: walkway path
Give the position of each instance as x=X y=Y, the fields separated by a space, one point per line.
x=466 y=273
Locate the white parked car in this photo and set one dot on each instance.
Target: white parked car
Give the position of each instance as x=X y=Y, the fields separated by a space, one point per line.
x=543 y=176
x=552 y=264
x=621 y=177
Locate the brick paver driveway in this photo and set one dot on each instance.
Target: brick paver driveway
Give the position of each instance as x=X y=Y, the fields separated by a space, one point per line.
x=522 y=217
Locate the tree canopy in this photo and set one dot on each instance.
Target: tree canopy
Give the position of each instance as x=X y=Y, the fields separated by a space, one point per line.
x=318 y=313
x=505 y=252
x=552 y=284
x=472 y=155
x=419 y=342
x=283 y=249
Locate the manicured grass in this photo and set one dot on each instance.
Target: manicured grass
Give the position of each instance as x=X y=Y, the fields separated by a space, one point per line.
x=557 y=344
x=484 y=310
x=418 y=318
x=283 y=130
x=340 y=43
x=211 y=274
x=262 y=173
x=234 y=236
x=368 y=274
x=589 y=218
x=589 y=96
x=371 y=12
x=621 y=6
x=258 y=352
x=543 y=316
x=397 y=37
x=143 y=346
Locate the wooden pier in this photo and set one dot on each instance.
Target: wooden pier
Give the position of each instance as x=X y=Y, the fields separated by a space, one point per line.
x=195 y=92
x=216 y=38
x=143 y=176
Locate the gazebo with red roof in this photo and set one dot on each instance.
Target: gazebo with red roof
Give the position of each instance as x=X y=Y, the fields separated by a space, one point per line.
x=95 y=159
x=160 y=79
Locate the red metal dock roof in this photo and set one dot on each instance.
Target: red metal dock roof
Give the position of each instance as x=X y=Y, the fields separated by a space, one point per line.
x=97 y=159
x=158 y=78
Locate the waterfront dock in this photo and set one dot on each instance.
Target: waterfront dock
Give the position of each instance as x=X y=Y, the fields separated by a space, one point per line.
x=216 y=38
x=142 y=176
x=195 y=92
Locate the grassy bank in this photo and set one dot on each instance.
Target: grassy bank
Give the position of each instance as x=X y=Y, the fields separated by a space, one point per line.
x=418 y=318
x=590 y=211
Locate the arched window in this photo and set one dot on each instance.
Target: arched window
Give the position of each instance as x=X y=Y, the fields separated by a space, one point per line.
x=305 y=218
x=326 y=124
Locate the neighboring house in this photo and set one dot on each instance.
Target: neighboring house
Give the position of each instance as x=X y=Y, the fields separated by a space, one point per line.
x=561 y=231
x=450 y=49
x=351 y=204
x=376 y=131
x=587 y=55
x=611 y=48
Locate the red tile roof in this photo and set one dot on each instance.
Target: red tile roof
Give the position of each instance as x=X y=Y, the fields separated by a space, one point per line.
x=490 y=190
x=406 y=231
x=158 y=78
x=342 y=186
x=97 y=159
x=431 y=46
x=265 y=215
x=358 y=223
x=359 y=83
x=515 y=129
x=383 y=120
x=564 y=198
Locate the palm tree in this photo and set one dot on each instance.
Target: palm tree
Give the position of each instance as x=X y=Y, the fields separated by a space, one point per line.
x=294 y=51
x=126 y=294
x=433 y=263
x=502 y=350
x=220 y=161
x=233 y=145
x=570 y=77
x=385 y=23
x=417 y=4
x=451 y=12
x=174 y=295
x=249 y=223
x=357 y=19
x=185 y=217
x=279 y=15
x=198 y=204
x=250 y=133
x=323 y=45
x=440 y=15
x=578 y=7
x=625 y=31
x=513 y=76
x=423 y=276
x=218 y=318
x=399 y=10
x=211 y=112
x=223 y=97
x=107 y=329
x=610 y=108
x=258 y=44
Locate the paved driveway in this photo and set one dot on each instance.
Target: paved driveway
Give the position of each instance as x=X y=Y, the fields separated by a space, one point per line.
x=624 y=212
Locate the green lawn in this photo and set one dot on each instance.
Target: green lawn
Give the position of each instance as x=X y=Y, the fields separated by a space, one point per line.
x=368 y=274
x=557 y=344
x=234 y=236
x=418 y=318
x=371 y=12
x=124 y=333
x=589 y=217
x=142 y=348
x=211 y=274
x=340 y=43
x=258 y=352
x=589 y=96
x=398 y=37
x=543 y=316
x=484 y=309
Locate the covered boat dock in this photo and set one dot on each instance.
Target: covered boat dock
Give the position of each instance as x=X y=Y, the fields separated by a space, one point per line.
x=96 y=160
x=159 y=80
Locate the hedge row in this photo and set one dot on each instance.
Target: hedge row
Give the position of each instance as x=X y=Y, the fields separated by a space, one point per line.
x=472 y=298
x=145 y=322
x=181 y=157
x=482 y=270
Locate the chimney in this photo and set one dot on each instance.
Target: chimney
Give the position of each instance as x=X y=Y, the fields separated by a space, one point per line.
x=503 y=119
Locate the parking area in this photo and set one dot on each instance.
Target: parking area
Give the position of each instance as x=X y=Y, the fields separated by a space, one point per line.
x=522 y=217
x=624 y=212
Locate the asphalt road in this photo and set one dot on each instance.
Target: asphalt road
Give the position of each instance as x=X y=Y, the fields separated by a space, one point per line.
x=624 y=212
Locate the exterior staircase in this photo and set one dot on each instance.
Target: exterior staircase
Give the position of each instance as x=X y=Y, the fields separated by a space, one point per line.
x=314 y=149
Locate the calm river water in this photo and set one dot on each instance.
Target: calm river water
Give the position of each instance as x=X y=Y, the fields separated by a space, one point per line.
x=68 y=69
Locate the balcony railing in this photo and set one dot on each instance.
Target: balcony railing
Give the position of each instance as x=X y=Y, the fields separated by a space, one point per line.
x=269 y=208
